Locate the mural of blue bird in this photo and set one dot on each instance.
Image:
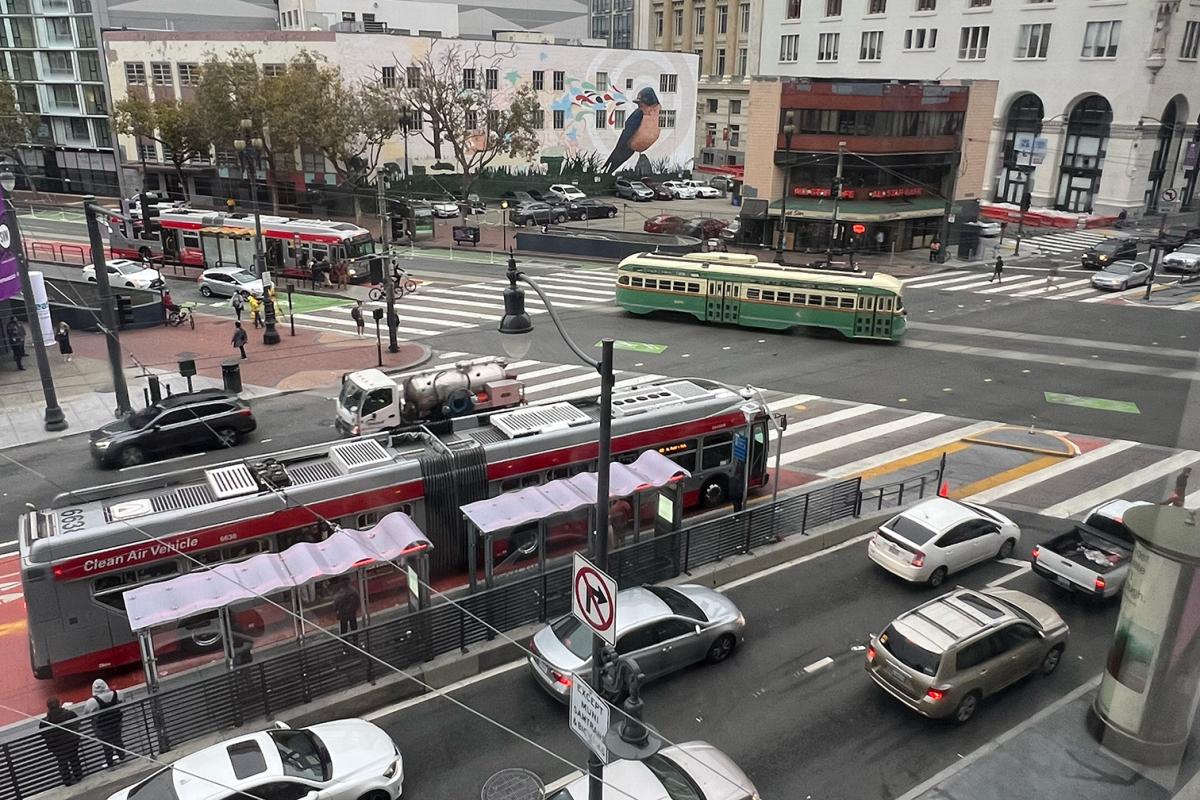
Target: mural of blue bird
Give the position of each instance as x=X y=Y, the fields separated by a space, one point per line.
x=640 y=132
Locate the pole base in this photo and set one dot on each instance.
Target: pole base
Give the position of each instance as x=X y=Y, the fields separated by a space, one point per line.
x=270 y=335
x=55 y=421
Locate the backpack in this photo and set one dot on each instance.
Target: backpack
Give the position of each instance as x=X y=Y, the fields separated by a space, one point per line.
x=356 y=313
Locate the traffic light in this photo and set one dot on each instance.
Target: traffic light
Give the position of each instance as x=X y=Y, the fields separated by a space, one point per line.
x=124 y=309
x=149 y=207
x=398 y=227
x=375 y=269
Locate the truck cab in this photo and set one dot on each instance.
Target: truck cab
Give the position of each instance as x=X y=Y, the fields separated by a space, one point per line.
x=369 y=402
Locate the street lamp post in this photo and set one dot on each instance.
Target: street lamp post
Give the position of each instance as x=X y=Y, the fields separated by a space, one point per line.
x=516 y=328
x=789 y=130
x=54 y=420
x=250 y=150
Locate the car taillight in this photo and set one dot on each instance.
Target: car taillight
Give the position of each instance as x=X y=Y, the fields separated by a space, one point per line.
x=918 y=560
x=354 y=430
x=558 y=677
x=245 y=412
x=1100 y=584
x=1035 y=552
x=871 y=653
x=935 y=694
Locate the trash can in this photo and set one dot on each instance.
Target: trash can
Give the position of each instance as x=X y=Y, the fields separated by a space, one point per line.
x=231 y=374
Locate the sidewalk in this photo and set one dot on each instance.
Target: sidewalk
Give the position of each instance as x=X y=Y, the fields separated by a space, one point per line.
x=310 y=360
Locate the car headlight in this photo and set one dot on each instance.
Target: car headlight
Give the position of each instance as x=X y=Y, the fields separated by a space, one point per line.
x=392 y=769
x=102 y=444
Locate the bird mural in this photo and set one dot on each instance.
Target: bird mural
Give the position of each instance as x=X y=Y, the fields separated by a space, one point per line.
x=640 y=133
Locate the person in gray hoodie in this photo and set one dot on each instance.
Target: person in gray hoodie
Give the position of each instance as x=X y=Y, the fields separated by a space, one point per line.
x=105 y=705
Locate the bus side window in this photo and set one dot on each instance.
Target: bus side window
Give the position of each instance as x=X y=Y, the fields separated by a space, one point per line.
x=627 y=458
x=366 y=520
x=682 y=453
x=718 y=449
x=191 y=240
x=531 y=480
x=509 y=484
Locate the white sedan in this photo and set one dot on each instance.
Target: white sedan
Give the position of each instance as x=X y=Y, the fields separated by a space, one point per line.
x=703 y=190
x=938 y=536
x=1185 y=259
x=347 y=759
x=693 y=770
x=679 y=190
x=445 y=208
x=124 y=272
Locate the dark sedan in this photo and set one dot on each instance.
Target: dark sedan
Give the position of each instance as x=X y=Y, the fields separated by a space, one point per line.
x=660 y=192
x=175 y=424
x=665 y=223
x=1106 y=252
x=538 y=214
x=704 y=227
x=591 y=209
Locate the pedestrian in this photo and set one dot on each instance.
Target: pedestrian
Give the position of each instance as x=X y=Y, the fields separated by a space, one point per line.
x=345 y=606
x=238 y=302
x=59 y=732
x=1181 y=482
x=356 y=314
x=15 y=333
x=997 y=271
x=1052 y=276
x=343 y=274
x=63 y=337
x=105 y=704
x=239 y=338
x=880 y=238
x=935 y=247
x=255 y=310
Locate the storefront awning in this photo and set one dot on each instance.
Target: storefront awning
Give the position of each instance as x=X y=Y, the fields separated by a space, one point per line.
x=821 y=208
x=652 y=470
x=165 y=602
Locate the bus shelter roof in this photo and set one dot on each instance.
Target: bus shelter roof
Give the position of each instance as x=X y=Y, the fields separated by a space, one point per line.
x=651 y=470
x=394 y=536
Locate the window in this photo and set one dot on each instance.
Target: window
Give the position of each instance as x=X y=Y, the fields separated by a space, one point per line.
x=711 y=105
x=493 y=118
x=189 y=74
x=877 y=6
x=668 y=118
x=1191 y=40
x=637 y=639
x=601 y=118
x=1017 y=635
x=135 y=73
x=700 y=21
x=742 y=61
x=668 y=82
x=559 y=80
x=972 y=43
x=468 y=78
x=387 y=77
x=1100 y=39
x=539 y=119
x=833 y=8
x=413 y=77
x=491 y=79
x=601 y=81
x=920 y=39
x=471 y=119
x=827 y=46
x=539 y=80
x=720 y=66
x=744 y=17
x=273 y=70
x=979 y=3
x=871 y=48
x=559 y=119
x=975 y=654
x=793 y=9
x=679 y=22
x=1033 y=40
x=735 y=133
x=619 y=118
x=722 y=19
x=658 y=24
x=735 y=107
x=789 y=47
x=65 y=97
x=926 y=5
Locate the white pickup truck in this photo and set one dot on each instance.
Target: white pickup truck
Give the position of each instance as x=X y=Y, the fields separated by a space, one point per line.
x=1092 y=557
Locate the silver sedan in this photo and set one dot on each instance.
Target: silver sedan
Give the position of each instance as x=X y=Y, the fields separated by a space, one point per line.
x=664 y=628
x=1121 y=275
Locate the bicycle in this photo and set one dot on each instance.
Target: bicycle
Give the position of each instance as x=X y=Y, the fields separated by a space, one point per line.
x=181 y=314
x=402 y=285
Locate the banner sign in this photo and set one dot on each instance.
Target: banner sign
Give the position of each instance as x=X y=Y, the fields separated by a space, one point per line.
x=10 y=278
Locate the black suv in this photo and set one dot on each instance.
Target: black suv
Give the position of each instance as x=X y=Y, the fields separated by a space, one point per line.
x=590 y=208
x=182 y=422
x=537 y=214
x=1104 y=253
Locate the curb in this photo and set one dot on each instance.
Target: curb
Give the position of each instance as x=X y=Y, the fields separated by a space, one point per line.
x=453 y=667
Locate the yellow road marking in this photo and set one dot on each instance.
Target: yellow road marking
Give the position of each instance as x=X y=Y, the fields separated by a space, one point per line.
x=915 y=458
x=1005 y=476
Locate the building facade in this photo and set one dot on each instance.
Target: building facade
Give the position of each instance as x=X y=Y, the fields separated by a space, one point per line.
x=1097 y=100
x=725 y=36
x=614 y=21
x=564 y=19
x=587 y=94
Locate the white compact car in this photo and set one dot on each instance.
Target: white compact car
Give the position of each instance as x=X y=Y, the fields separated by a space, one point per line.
x=939 y=536
x=228 y=281
x=445 y=208
x=703 y=190
x=347 y=759
x=565 y=191
x=127 y=273
x=679 y=190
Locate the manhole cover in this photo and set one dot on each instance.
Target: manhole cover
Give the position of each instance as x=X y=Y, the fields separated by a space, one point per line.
x=513 y=784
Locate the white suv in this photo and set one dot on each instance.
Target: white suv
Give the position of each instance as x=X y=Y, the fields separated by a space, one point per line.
x=566 y=191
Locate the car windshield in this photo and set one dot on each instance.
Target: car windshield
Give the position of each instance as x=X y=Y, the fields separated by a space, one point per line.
x=351 y=397
x=675 y=781
x=159 y=786
x=639 y=185
x=303 y=755
x=910 y=529
x=129 y=269
x=1190 y=249
x=574 y=635
x=678 y=603
x=142 y=418
x=241 y=276
x=360 y=246
x=1108 y=247
x=1120 y=268
x=1110 y=526
x=909 y=654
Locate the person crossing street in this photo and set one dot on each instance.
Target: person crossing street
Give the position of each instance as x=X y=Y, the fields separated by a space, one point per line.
x=997 y=271
x=239 y=338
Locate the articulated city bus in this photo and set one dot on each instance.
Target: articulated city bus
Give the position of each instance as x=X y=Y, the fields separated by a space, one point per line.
x=80 y=555
x=737 y=289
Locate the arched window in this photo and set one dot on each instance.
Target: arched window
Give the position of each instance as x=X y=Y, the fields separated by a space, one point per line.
x=1162 y=156
x=1083 y=154
x=1024 y=117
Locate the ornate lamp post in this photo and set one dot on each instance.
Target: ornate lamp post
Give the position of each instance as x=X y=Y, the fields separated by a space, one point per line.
x=250 y=151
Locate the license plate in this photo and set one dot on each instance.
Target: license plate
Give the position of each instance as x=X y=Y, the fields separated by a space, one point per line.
x=897 y=674
x=1063 y=582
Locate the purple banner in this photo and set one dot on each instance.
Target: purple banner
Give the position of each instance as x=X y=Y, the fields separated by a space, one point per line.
x=10 y=280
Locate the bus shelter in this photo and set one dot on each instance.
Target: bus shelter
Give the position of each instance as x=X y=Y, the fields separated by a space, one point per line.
x=556 y=518
x=280 y=582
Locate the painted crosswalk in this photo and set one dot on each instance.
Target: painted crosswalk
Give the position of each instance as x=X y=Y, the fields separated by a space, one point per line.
x=828 y=439
x=1066 y=285
x=1065 y=242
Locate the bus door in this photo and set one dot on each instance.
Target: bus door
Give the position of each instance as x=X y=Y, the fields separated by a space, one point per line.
x=864 y=315
x=724 y=301
x=885 y=307
x=758 y=453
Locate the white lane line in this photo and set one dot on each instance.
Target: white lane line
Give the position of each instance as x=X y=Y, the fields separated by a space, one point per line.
x=788 y=402
x=1100 y=298
x=1016 y=573
x=538 y=373
x=452 y=293
x=164 y=461
x=855 y=437
x=451 y=354
x=798 y=426
x=449 y=688
x=1051 y=472
x=793 y=563
x=1120 y=486
x=932 y=443
x=818 y=665
x=1192 y=500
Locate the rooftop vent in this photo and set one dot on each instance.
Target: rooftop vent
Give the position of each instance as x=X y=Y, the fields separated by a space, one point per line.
x=232 y=481
x=351 y=457
x=539 y=419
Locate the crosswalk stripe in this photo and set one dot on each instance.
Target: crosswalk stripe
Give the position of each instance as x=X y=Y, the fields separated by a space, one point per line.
x=798 y=426
x=1020 y=283
x=1056 y=287
x=1101 y=297
x=854 y=437
x=1078 y=292
x=349 y=323
x=883 y=459
x=974 y=285
x=1192 y=500
x=574 y=286
x=451 y=292
x=538 y=373
x=558 y=296
x=1061 y=468
x=590 y=375
x=439 y=305
x=1115 y=488
x=601 y=276
x=941 y=279
x=788 y=402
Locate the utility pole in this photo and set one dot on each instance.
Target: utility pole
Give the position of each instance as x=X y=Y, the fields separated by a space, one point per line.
x=837 y=196
x=108 y=317
x=1158 y=246
x=1025 y=198
x=389 y=283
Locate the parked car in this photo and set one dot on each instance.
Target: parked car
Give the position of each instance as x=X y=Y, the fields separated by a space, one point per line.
x=179 y=423
x=732 y=232
x=1121 y=275
x=664 y=223
x=590 y=208
x=1186 y=259
x=944 y=656
x=938 y=536
x=1092 y=557
x=475 y=205
x=665 y=628
x=445 y=208
x=632 y=190
x=1176 y=236
x=703 y=190
x=679 y=190
x=346 y=759
x=228 y=281
x=661 y=192
x=127 y=273
x=1103 y=253
x=692 y=770
x=521 y=197
x=537 y=214
x=564 y=191
x=704 y=227
x=721 y=183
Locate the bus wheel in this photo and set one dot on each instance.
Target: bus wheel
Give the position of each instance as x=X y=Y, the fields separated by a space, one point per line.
x=714 y=492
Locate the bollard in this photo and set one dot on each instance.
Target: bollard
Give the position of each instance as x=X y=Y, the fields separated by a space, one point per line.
x=155 y=389
x=231 y=374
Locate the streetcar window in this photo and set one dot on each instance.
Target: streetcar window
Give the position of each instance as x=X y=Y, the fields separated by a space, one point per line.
x=752 y=294
x=680 y=286
x=885 y=304
x=637 y=282
x=768 y=296
x=718 y=450
x=831 y=302
x=693 y=288
x=651 y=283
x=623 y=280
x=846 y=302
x=783 y=297
x=815 y=299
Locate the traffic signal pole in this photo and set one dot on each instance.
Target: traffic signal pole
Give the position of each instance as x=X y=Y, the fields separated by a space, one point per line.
x=108 y=315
